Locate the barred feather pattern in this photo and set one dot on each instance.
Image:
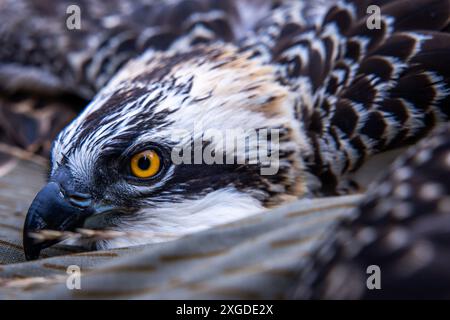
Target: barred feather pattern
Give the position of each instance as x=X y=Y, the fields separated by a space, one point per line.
x=362 y=91
x=402 y=227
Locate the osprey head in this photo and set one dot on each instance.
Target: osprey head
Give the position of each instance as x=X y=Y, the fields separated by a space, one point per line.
x=175 y=143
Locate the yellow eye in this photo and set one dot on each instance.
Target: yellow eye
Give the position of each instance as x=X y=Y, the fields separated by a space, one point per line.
x=145 y=164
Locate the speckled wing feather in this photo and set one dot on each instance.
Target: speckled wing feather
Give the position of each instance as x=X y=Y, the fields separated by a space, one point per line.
x=361 y=91
x=402 y=226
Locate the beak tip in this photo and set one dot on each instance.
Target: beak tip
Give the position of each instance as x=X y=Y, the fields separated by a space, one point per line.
x=30 y=256
x=50 y=211
x=31 y=249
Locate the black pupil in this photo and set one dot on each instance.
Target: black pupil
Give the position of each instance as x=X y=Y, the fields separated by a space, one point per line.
x=144 y=163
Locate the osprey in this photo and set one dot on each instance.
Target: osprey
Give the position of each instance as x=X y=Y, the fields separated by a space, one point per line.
x=335 y=89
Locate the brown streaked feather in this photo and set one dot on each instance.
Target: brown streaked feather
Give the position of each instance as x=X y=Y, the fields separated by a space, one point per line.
x=368 y=90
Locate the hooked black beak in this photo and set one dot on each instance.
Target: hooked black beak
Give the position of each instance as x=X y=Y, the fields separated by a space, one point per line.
x=53 y=209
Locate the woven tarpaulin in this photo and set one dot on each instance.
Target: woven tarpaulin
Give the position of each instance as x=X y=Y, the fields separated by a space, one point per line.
x=257 y=257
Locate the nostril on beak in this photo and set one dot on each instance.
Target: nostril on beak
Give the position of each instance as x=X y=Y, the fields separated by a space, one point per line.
x=80 y=200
